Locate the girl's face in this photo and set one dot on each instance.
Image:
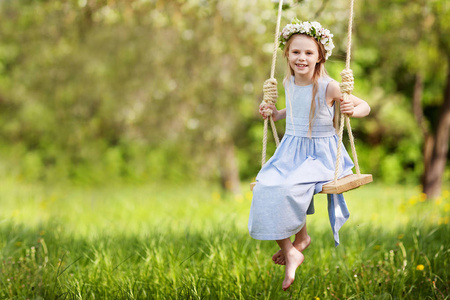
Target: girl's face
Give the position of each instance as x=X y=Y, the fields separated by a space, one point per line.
x=303 y=56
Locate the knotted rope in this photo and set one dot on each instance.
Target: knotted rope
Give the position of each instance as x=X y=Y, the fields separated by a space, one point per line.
x=270 y=91
x=270 y=98
x=346 y=86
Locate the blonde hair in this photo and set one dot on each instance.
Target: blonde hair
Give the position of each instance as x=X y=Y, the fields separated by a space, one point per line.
x=319 y=71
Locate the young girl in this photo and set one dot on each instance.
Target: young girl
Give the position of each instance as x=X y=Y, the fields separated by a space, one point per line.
x=306 y=156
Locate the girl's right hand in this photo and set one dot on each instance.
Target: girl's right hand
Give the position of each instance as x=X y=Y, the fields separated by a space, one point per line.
x=272 y=107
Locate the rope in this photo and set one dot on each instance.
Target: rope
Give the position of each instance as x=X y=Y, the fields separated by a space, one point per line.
x=270 y=91
x=346 y=86
x=352 y=143
x=338 y=155
x=349 y=36
x=263 y=159
x=270 y=97
x=275 y=44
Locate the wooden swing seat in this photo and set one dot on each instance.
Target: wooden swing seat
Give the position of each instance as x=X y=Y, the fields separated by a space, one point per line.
x=344 y=184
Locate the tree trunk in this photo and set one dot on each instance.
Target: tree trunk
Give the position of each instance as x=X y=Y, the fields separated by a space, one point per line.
x=438 y=147
x=417 y=103
x=229 y=170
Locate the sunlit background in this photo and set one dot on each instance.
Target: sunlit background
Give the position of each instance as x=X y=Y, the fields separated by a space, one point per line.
x=123 y=123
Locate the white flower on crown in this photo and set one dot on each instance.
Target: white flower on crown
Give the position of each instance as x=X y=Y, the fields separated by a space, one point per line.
x=316 y=25
x=313 y=29
x=307 y=27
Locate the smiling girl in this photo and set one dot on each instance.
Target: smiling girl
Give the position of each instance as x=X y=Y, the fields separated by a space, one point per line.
x=304 y=160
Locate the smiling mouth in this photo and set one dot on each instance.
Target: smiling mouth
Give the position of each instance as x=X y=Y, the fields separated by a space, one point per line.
x=301 y=65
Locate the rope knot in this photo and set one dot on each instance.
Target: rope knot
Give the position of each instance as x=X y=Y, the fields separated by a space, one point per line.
x=347 y=81
x=270 y=95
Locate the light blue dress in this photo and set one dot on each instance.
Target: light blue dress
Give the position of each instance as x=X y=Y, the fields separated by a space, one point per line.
x=286 y=184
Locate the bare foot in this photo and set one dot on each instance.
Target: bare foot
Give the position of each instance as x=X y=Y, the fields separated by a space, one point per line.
x=303 y=244
x=278 y=257
x=294 y=259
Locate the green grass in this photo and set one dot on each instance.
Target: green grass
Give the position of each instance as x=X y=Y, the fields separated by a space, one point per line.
x=191 y=242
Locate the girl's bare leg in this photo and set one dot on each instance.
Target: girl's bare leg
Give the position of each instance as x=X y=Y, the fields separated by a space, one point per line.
x=294 y=259
x=301 y=242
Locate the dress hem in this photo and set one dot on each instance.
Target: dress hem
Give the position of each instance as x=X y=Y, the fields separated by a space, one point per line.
x=273 y=237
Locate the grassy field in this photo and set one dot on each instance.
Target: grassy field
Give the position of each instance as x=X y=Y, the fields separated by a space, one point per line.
x=191 y=242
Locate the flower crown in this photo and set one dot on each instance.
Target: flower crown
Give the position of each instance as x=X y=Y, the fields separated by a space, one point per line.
x=313 y=29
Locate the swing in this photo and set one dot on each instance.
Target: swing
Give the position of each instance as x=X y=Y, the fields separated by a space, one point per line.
x=337 y=186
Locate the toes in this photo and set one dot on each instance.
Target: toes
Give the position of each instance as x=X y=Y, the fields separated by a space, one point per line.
x=276 y=257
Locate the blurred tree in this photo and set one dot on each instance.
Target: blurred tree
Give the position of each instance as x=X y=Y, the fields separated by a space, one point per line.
x=94 y=90
x=98 y=85
x=413 y=59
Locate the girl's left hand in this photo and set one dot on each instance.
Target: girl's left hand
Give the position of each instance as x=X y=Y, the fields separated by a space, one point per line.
x=347 y=107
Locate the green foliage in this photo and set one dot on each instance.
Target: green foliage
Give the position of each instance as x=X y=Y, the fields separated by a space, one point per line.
x=190 y=242
x=94 y=91
x=94 y=83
